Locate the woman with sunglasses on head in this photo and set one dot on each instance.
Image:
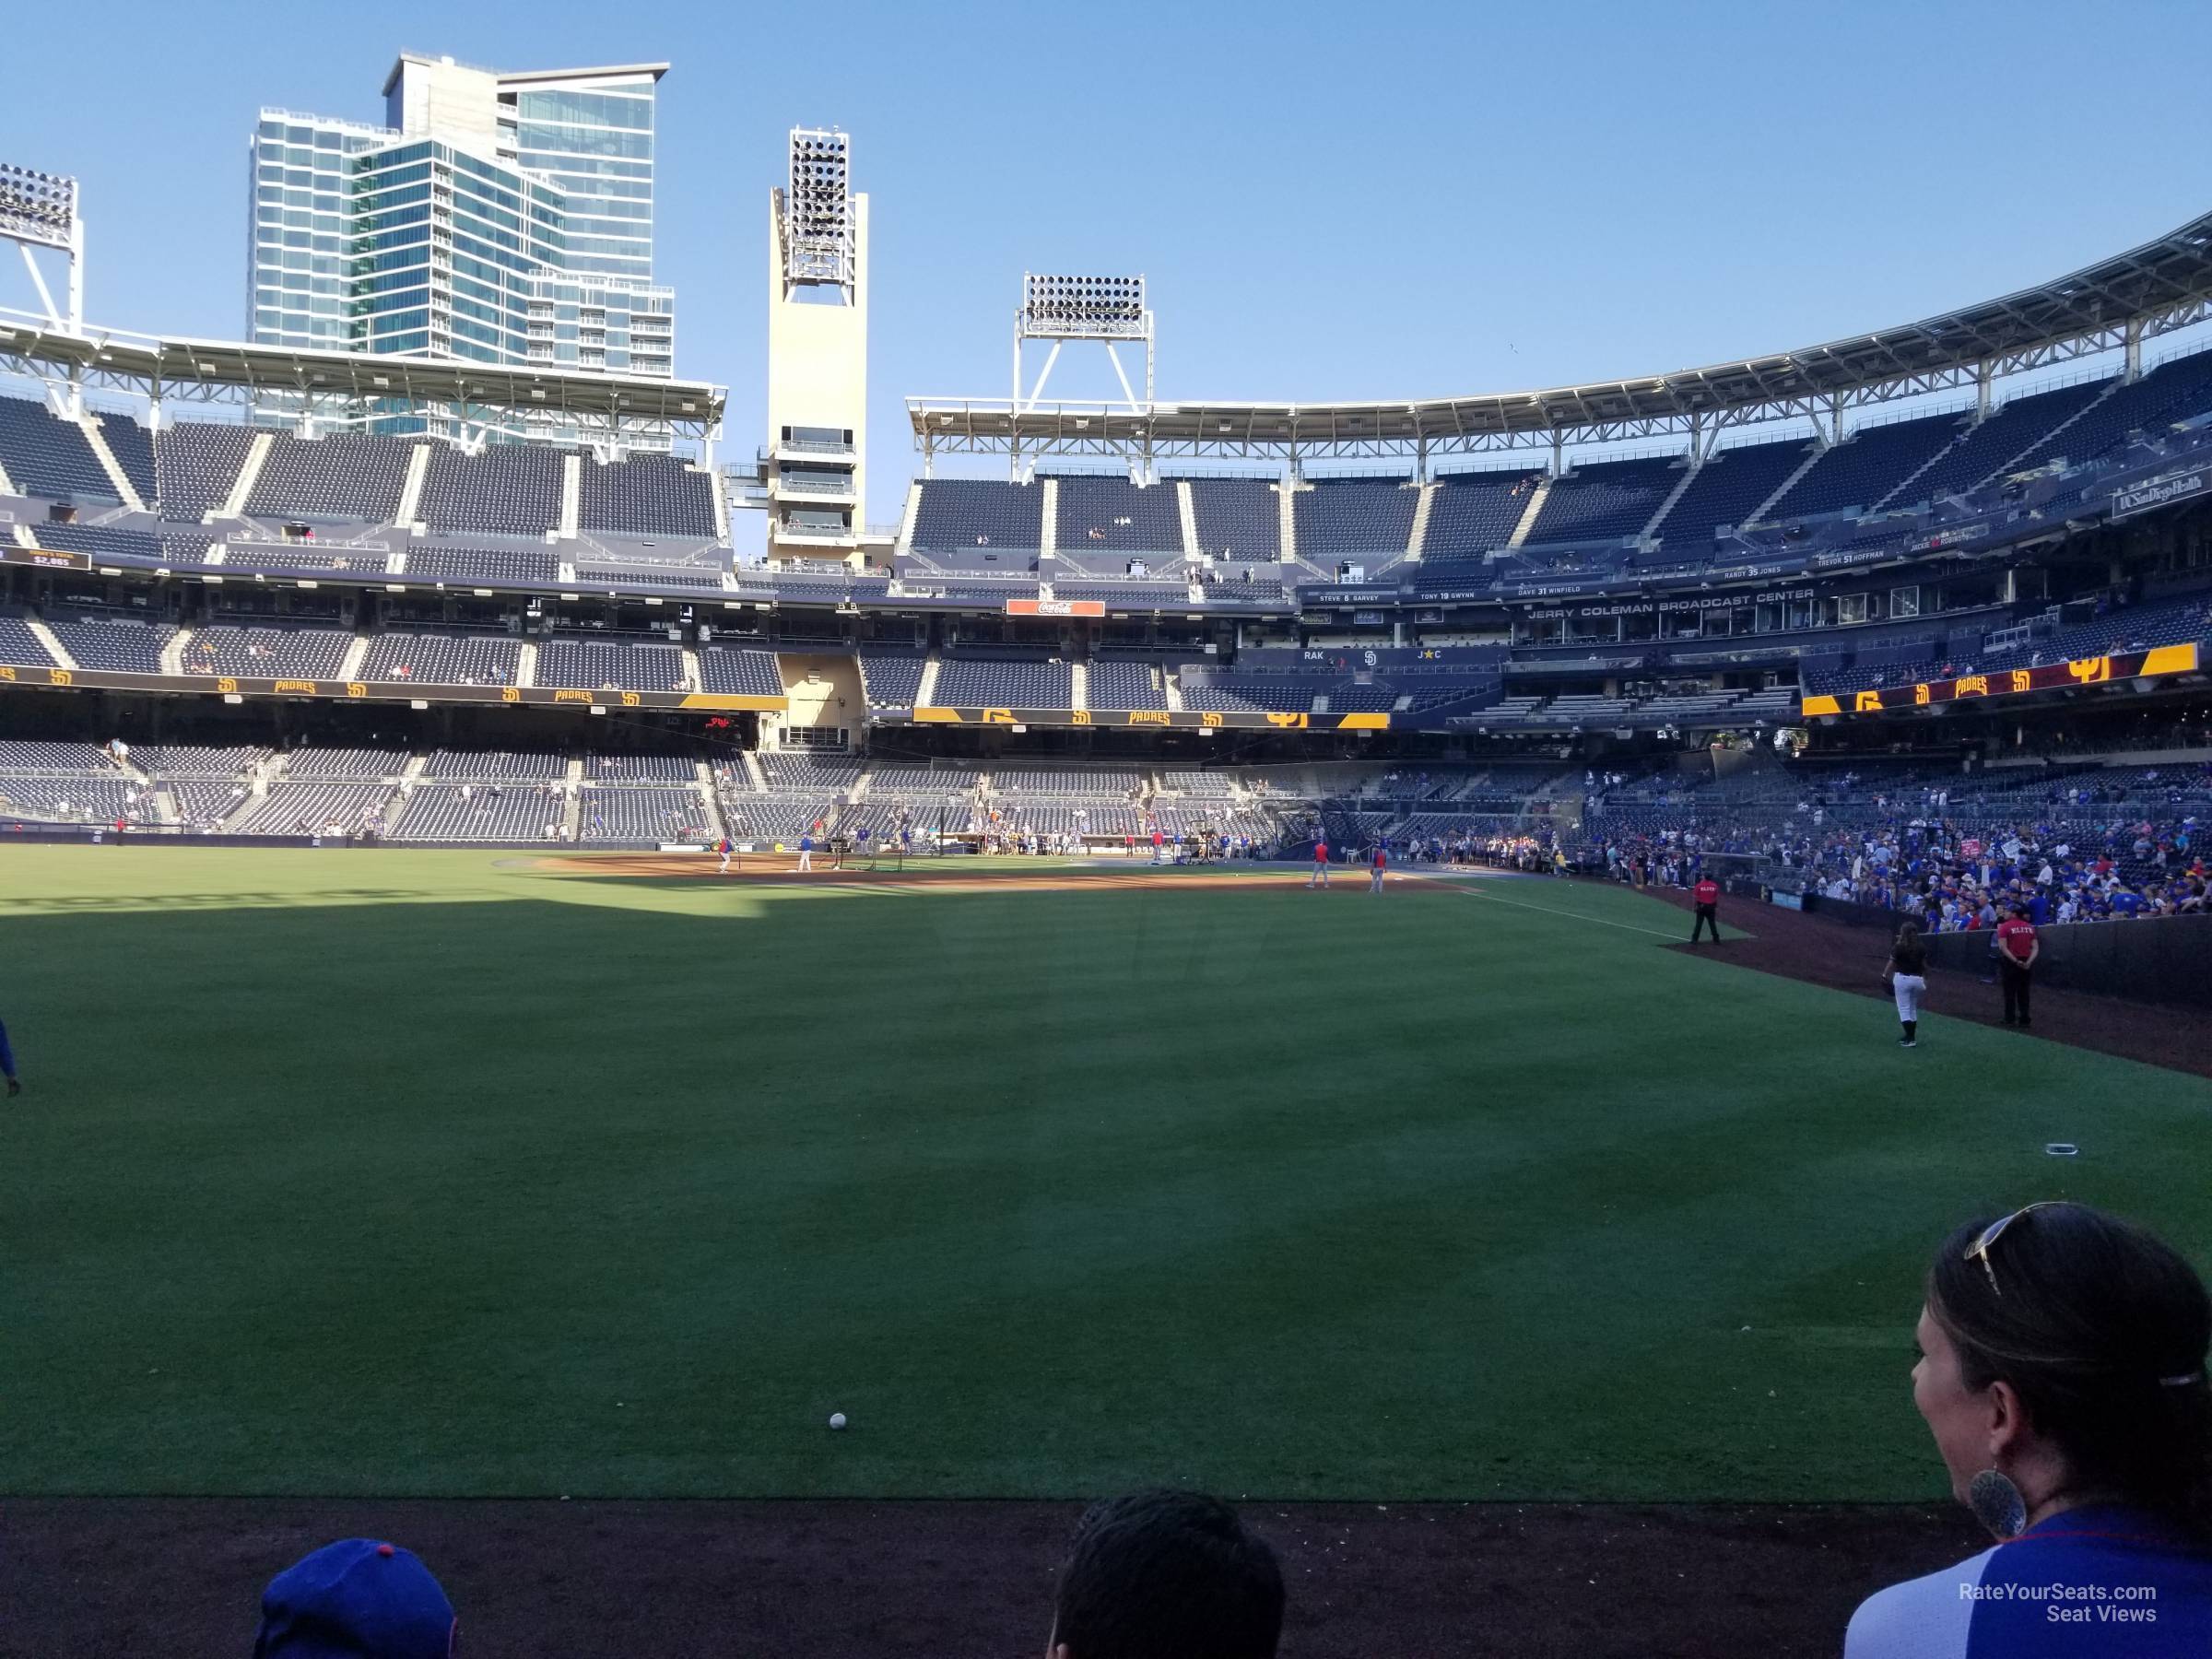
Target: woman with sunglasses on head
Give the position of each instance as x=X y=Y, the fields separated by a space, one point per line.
x=2062 y=1374
x=1908 y=971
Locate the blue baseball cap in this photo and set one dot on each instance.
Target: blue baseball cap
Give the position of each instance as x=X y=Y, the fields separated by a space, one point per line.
x=356 y=1599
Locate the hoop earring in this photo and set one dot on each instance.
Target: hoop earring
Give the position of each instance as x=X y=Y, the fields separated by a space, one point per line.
x=1997 y=1505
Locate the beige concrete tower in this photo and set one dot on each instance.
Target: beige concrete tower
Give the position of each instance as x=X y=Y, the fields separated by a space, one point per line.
x=818 y=354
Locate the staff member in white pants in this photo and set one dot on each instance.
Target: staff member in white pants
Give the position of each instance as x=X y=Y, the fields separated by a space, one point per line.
x=1908 y=979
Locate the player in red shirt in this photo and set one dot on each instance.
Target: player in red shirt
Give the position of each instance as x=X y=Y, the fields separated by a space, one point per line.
x=1321 y=863
x=1706 y=895
x=1378 y=861
x=2018 y=946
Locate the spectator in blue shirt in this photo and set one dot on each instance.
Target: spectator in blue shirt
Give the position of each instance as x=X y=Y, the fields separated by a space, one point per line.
x=7 y=1064
x=2062 y=1374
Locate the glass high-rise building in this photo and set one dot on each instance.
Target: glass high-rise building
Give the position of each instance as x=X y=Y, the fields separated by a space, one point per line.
x=500 y=218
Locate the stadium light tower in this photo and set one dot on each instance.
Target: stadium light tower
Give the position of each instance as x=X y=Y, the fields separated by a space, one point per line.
x=38 y=211
x=1111 y=309
x=814 y=464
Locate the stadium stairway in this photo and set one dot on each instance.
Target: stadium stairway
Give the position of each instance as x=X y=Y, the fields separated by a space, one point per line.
x=125 y=491
x=1048 y=541
x=1286 y=523
x=1689 y=473
x=753 y=771
x=1418 y=537
x=172 y=653
x=526 y=664
x=690 y=660
x=1079 y=679
x=926 y=691
x=45 y=637
x=704 y=776
x=249 y=473
x=410 y=491
x=357 y=653
x=1186 y=513
x=1172 y=683
x=7 y=485
x=1537 y=498
x=571 y=497
x=906 y=520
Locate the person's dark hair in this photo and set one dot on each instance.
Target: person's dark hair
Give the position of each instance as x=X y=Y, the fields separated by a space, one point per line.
x=1168 y=1575
x=1908 y=932
x=2101 y=1327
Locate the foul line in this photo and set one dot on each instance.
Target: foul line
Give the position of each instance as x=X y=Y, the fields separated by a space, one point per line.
x=1471 y=892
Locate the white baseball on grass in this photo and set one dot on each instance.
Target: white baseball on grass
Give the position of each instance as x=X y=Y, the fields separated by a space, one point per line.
x=837 y=1419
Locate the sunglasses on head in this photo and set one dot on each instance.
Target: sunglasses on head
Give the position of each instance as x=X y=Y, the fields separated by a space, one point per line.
x=1979 y=1249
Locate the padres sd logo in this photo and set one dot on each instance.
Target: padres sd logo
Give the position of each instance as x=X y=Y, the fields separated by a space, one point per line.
x=354 y=689
x=998 y=717
x=510 y=694
x=226 y=684
x=1078 y=716
x=630 y=699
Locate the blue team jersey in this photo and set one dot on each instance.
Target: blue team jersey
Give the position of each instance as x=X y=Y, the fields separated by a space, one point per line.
x=2092 y=1581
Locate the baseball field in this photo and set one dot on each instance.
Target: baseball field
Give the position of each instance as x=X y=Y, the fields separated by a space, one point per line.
x=462 y=1174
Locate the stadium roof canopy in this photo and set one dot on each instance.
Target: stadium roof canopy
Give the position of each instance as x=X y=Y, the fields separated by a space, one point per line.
x=212 y=370
x=2113 y=304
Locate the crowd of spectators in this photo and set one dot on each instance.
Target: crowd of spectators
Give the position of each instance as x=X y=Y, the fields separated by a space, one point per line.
x=1955 y=854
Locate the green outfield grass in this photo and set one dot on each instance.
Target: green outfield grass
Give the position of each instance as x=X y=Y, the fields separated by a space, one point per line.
x=408 y=1173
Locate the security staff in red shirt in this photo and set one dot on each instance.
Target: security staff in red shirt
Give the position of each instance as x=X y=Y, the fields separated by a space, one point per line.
x=1707 y=894
x=2018 y=946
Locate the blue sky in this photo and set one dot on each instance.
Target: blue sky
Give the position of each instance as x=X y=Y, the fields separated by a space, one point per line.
x=1329 y=202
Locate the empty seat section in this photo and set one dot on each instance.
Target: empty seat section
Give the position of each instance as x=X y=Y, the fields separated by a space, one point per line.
x=1121 y=685
x=892 y=678
x=647 y=495
x=736 y=672
x=2019 y=425
x=346 y=475
x=1114 y=515
x=196 y=465
x=1866 y=466
x=2174 y=391
x=1238 y=518
x=1731 y=486
x=114 y=647
x=961 y=514
x=1473 y=512
x=20 y=646
x=442 y=659
x=536 y=566
x=508 y=490
x=132 y=447
x=45 y=455
x=598 y=665
x=98 y=539
x=1004 y=683
x=1355 y=516
x=301 y=652
x=298 y=556
x=1605 y=499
